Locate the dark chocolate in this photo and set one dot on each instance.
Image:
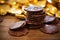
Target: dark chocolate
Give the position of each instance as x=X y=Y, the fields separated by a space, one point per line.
x=35 y=15
x=18 y=32
x=18 y=25
x=50 y=20
x=50 y=29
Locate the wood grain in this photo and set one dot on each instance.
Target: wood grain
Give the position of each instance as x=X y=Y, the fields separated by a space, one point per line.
x=32 y=35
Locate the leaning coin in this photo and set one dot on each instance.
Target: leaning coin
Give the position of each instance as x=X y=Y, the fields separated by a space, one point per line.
x=18 y=25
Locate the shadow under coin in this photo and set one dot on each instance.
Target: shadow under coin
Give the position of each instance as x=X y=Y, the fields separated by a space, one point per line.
x=18 y=32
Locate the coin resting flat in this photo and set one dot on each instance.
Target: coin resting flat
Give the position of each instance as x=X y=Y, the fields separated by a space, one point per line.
x=49 y=29
x=33 y=8
x=18 y=25
x=18 y=32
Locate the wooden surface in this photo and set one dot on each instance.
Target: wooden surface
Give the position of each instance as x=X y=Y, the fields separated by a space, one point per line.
x=32 y=35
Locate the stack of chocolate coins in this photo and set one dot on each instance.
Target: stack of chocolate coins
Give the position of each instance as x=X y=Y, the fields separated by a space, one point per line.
x=35 y=15
x=50 y=25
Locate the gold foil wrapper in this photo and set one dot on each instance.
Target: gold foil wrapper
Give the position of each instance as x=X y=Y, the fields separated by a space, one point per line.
x=2 y=1
x=41 y=3
x=58 y=14
x=4 y=9
x=51 y=9
x=20 y=16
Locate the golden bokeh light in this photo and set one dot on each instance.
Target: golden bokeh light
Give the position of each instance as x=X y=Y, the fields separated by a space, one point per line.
x=17 y=6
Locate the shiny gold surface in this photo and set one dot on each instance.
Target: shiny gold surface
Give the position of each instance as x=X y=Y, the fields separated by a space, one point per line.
x=58 y=14
x=50 y=6
x=4 y=9
x=51 y=9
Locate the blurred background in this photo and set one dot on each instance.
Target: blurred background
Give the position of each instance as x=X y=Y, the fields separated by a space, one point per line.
x=16 y=7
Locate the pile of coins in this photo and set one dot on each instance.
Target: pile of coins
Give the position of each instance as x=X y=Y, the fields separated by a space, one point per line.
x=21 y=28
x=35 y=15
x=50 y=25
x=35 y=19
